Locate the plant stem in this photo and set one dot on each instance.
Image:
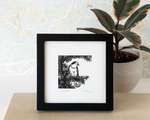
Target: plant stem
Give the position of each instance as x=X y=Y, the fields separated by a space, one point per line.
x=116 y=41
x=117 y=23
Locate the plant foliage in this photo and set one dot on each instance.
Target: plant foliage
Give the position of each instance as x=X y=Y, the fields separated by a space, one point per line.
x=137 y=17
x=122 y=9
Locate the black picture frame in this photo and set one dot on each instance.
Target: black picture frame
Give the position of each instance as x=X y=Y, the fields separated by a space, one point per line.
x=42 y=105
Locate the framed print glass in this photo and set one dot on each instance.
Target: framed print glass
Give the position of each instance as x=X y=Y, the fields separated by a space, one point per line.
x=74 y=72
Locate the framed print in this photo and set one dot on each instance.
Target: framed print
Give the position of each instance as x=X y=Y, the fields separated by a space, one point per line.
x=74 y=72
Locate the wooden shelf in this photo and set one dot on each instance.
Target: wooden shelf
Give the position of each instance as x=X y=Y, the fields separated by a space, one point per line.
x=127 y=107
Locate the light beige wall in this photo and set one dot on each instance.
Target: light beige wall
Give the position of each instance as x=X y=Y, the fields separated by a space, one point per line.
x=21 y=20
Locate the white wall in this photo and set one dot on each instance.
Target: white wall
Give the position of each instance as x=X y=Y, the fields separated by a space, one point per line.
x=21 y=20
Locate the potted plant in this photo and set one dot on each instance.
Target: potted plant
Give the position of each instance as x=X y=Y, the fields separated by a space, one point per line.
x=127 y=59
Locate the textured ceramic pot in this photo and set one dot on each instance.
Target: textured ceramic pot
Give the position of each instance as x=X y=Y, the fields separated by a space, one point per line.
x=127 y=75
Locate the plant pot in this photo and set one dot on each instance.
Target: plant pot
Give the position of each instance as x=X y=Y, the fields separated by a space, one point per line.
x=127 y=75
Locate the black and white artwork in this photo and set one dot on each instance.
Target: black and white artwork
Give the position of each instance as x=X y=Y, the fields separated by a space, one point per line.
x=71 y=72
x=75 y=72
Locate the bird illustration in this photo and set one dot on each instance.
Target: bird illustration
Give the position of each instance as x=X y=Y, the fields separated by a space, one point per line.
x=73 y=68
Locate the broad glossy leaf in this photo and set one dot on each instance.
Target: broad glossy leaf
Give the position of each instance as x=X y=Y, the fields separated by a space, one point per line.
x=123 y=8
x=93 y=30
x=132 y=37
x=127 y=47
x=137 y=16
x=144 y=48
x=105 y=19
x=120 y=28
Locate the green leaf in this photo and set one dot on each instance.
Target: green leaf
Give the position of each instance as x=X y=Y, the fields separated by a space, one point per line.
x=128 y=47
x=120 y=27
x=137 y=16
x=93 y=30
x=105 y=19
x=144 y=48
x=132 y=37
x=118 y=35
x=123 y=8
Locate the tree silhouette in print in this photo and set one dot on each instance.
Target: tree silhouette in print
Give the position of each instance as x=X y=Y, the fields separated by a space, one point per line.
x=69 y=72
